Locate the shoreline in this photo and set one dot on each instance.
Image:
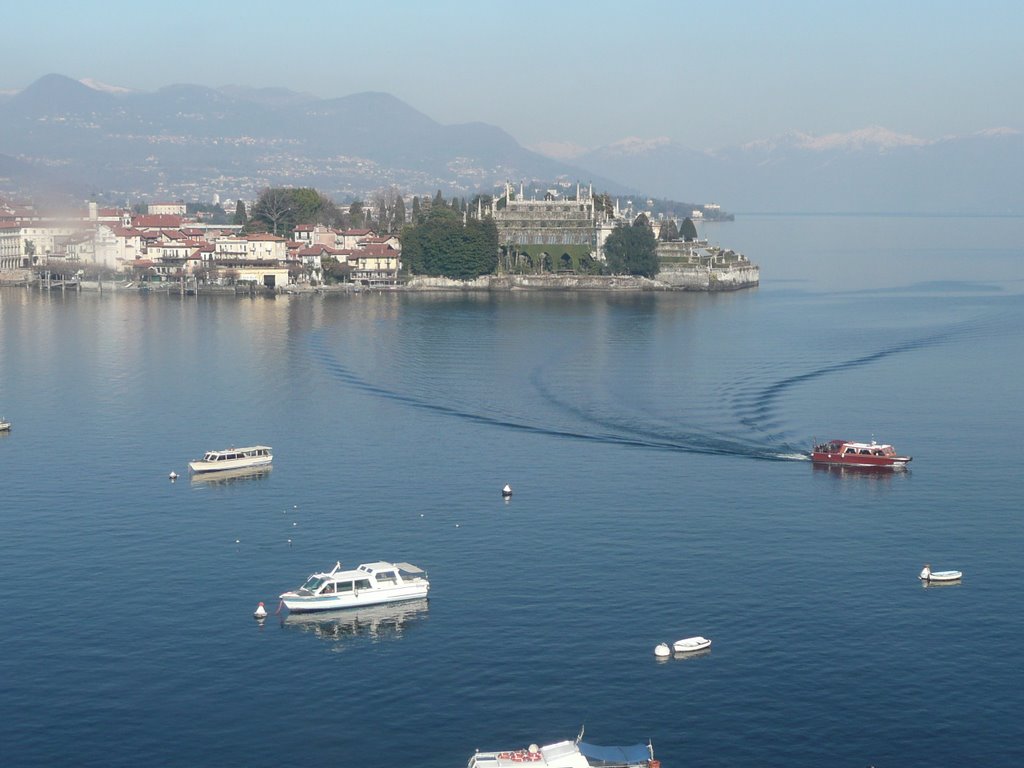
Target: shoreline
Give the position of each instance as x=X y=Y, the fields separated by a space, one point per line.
x=689 y=279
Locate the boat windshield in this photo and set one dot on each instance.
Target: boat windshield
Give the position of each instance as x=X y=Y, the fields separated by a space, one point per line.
x=313 y=583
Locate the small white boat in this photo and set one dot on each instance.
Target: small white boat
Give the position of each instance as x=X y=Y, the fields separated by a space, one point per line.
x=927 y=574
x=691 y=644
x=506 y=492
x=369 y=584
x=233 y=458
x=569 y=754
x=5 y=425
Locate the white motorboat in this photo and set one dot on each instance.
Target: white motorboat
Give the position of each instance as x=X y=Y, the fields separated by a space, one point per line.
x=5 y=425
x=927 y=574
x=369 y=584
x=569 y=754
x=233 y=458
x=691 y=644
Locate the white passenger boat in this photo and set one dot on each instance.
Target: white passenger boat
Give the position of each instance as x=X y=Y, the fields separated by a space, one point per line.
x=569 y=754
x=369 y=584
x=928 y=575
x=233 y=458
x=691 y=644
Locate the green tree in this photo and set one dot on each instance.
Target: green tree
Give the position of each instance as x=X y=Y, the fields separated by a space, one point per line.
x=669 y=231
x=240 y=217
x=416 y=210
x=398 y=216
x=632 y=250
x=356 y=215
x=440 y=245
x=688 y=231
x=279 y=210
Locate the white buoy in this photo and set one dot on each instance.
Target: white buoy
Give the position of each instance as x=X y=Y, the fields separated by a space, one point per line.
x=506 y=492
x=662 y=651
x=173 y=476
x=260 y=612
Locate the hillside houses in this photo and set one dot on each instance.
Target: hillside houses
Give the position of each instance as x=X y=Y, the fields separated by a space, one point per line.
x=168 y=246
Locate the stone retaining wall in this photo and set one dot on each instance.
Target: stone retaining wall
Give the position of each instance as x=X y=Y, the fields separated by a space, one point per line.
x=692 y=278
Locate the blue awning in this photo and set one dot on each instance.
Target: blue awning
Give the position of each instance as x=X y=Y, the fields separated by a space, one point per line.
x=637 y=753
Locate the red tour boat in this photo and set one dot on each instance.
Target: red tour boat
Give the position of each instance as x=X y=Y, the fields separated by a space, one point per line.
x=858 y=454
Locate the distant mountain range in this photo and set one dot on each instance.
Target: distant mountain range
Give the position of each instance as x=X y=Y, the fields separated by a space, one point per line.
x=870 y=170
x=189 y=142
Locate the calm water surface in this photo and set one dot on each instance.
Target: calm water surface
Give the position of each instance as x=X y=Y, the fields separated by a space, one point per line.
x=653 y=442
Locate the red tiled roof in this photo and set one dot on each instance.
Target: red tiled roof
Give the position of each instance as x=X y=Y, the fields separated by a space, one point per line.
x=157 y=220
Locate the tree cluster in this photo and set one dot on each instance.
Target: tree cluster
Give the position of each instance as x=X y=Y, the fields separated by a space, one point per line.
x=440 y=244
x=279 y=210
x=632 y=250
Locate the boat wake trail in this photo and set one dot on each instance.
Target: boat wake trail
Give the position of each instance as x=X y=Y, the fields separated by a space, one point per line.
x=756 y=405
x=739 y=418
x=613 y=432
x=340 y=372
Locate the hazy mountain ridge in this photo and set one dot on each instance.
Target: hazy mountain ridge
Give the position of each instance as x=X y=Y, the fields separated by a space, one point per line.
x=192 y=141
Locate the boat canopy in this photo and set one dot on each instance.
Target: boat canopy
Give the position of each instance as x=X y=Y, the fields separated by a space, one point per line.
x=408 y=568
x=637 y=753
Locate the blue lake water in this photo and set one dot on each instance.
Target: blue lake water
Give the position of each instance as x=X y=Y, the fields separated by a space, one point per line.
x=653 y=443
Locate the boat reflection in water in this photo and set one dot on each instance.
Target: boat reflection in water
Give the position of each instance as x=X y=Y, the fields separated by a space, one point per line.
x=229 y=476
x=376 y=622
x=871 y=474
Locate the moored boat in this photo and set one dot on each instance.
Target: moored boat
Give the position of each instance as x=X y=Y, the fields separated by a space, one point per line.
x=233 y=458
x=930 y=576
x=369 y=584
x=5 y=425
x=691 y=644
x=854 y=454
x=569 y=754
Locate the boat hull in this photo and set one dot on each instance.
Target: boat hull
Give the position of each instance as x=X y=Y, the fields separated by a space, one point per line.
x=200 y=467
x=880 y=462
x=943 y=576
x=308 y=604
x=691 y=645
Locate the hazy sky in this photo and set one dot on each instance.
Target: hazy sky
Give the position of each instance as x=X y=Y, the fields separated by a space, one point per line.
x=585 y=72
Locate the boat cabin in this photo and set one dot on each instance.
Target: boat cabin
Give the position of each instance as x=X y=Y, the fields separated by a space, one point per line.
x=379 y=575
x=237 y=453
x=846 y=448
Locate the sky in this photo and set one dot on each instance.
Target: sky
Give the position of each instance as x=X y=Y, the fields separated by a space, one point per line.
x=564 y=76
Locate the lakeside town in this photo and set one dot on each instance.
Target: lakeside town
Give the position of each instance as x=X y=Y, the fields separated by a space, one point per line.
x=556 y=237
